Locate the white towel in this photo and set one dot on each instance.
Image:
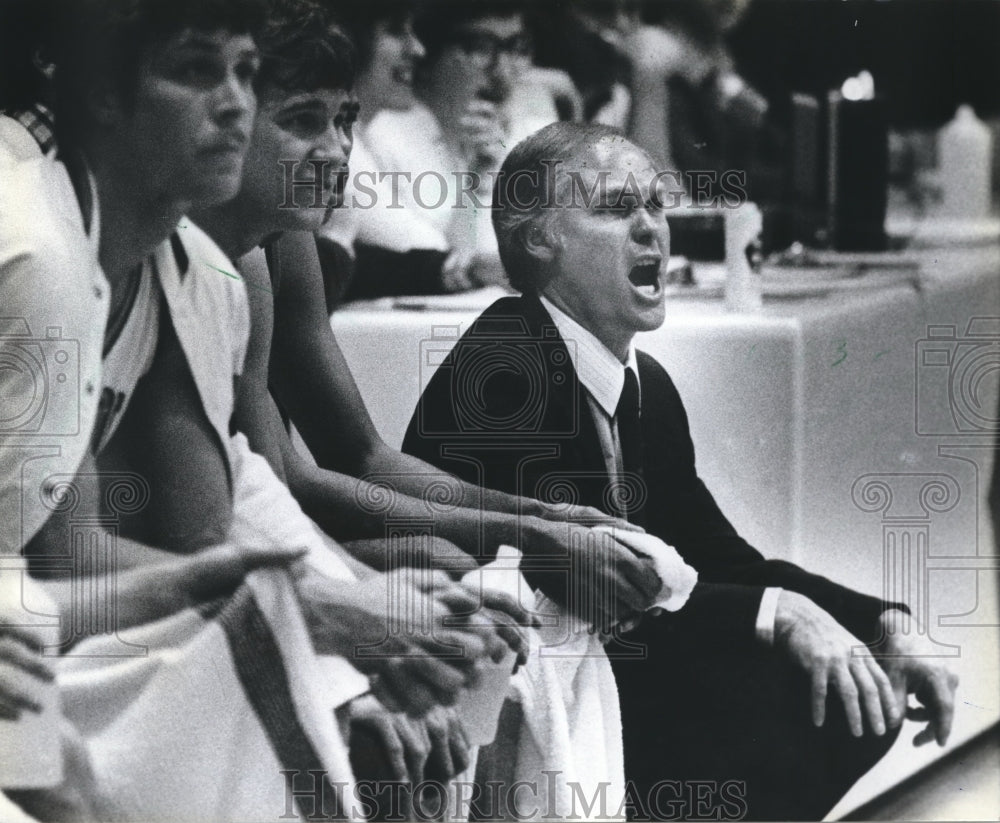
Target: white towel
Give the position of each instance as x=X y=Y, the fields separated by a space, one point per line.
x=571 y=757
x=202 y=727
x=227 y=699
x=677 y=577
x=569 y=748
x=570 y=702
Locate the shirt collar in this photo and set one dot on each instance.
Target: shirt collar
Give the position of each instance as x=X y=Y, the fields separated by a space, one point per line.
x=602 y=374
x=40 y=122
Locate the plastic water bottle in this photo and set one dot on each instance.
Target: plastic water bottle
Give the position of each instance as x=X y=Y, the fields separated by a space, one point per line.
x=965 y=147
x=744 y=289
x=479 y=708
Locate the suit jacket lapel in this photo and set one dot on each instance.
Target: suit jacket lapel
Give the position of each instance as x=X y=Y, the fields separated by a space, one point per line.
x=568 y=407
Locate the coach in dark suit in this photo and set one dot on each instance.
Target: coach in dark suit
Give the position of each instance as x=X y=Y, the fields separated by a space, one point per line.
x=761 y=698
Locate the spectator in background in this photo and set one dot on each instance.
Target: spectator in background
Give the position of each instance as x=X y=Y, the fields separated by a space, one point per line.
x=690 y=107
x=585 y=40
x=438 y=148
x=663 y=73
x=371 y=248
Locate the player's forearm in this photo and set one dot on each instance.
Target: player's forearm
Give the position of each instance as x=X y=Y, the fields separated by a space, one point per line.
x=50 y=554
x=351 y=509
x=412 y=476
x=347 y=508
x=120 y=587
x=257 y=416
x=335 y=502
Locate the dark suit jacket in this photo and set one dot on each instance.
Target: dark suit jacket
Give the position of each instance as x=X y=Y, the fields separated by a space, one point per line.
x=507 y=411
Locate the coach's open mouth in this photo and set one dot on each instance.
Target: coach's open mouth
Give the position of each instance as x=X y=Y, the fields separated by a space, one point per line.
x=645 y=276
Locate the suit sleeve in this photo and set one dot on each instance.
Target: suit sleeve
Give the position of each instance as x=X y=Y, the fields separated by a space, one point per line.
x=688 y=517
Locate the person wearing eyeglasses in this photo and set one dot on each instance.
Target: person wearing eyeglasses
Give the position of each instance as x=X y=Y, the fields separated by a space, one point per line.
x=440 y=152
x=368 y=248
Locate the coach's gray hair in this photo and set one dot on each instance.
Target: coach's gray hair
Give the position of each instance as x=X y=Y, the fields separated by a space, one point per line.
x=525 y=193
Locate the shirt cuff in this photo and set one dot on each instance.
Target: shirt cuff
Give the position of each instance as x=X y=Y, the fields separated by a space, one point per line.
x=766 y=614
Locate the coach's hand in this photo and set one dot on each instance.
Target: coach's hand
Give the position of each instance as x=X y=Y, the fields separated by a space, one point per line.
x=835 y=661
x=914 y=668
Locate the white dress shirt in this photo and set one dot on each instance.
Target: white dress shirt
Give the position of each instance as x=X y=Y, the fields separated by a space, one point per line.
x=414 y=143
x=603 y=376
x=371 y=216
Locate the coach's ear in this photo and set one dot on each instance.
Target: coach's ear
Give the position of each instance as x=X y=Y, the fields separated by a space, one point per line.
x=540 y=243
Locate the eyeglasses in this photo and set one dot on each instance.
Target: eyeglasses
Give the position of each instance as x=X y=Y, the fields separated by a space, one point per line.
x=484 y=49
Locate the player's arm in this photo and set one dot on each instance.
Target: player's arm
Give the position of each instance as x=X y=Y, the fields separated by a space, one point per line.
x=340 y=504
x=255 y=414
x=166 y=437
x=148 y=583
x=49 y=550
x=314 y=384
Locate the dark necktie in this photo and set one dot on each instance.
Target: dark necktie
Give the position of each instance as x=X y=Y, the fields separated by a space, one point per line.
x=630 y=441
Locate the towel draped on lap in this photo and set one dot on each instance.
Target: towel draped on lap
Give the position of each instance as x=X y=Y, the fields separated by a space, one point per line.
x=568 y=759
x=229 y=703
x=567 y=751
x=203 y=725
